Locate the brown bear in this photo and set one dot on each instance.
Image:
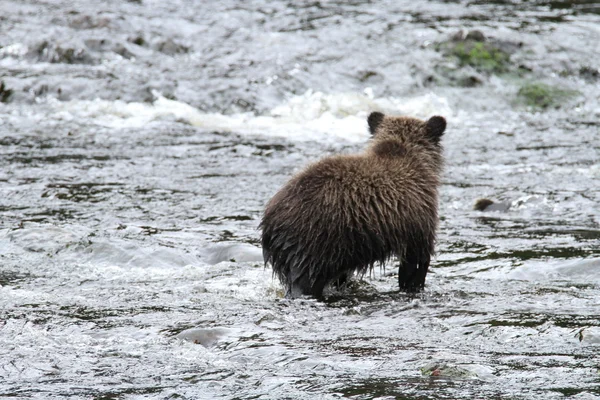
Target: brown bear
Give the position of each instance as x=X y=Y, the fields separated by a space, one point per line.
x=344 y=213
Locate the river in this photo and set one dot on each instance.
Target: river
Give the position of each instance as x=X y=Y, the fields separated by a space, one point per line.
x=140 y=141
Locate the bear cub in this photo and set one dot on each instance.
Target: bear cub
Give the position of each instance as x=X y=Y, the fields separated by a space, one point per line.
x=344 y=213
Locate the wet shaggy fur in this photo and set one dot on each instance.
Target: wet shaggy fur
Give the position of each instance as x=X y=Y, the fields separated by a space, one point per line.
x=345 y=213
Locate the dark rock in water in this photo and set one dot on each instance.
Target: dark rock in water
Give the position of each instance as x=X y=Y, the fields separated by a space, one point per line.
x=138 y=40
x=5 y=93
x=489 y=205
x=475 y=35
x=589 y=74
x=471 y=81
x=482 y=204
x=458 y=36
x=368 y=75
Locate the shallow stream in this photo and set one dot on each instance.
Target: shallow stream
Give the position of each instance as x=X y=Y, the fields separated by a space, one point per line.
x=141 y=139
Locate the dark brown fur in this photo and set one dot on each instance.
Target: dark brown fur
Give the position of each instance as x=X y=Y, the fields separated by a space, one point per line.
x=345 y=213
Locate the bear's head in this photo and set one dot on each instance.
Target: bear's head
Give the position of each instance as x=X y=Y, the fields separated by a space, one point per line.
x=394 y=136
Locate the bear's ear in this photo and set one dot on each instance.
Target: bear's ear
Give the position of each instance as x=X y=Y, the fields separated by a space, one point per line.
x=435 y=127
x=374 y=120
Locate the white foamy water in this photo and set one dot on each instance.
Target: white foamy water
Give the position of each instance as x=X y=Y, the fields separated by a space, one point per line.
x=311 y=116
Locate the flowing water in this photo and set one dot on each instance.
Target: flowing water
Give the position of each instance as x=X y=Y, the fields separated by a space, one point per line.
x=140 y=141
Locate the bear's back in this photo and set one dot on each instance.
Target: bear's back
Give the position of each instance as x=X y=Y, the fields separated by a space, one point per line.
x=353 y=182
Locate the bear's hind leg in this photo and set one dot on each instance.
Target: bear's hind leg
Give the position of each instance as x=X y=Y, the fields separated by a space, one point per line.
x=407 y=271
x=412 y=271
x=303 y=287
x=424 y=261
x=341 y=282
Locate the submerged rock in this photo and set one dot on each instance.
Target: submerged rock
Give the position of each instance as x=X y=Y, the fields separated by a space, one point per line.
x=207 y=337
x=63 y=53
x=5 y=93
x=171 y=47
x=471 y=57
x=236 y=252
x=541 y=95
x=88 y=22
x=481 y=56
x=475 y=35
x=444 y=370
x=475 y=50
x=489 y=205
x=589 y=74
